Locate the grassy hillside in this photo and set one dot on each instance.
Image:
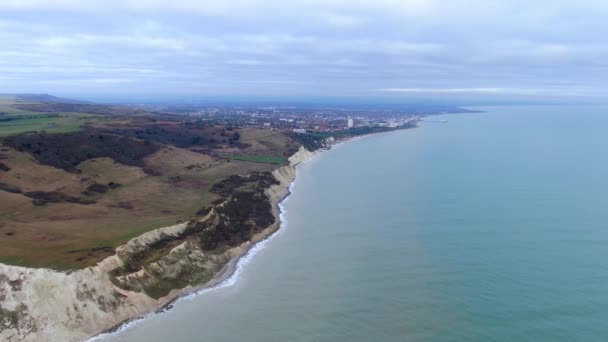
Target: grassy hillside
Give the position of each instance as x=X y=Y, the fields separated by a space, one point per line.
x=71 y=194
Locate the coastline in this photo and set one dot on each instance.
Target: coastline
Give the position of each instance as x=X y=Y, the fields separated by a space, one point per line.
x=126 y=308
x=144 y=307
x=228 y=275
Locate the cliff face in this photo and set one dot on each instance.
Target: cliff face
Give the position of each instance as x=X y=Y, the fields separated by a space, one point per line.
x=146 y=273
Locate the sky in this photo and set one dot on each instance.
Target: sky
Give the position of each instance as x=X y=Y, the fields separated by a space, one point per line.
x=461 y=50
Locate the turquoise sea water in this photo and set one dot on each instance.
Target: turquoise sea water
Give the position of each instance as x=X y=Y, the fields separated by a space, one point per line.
x=491 y=227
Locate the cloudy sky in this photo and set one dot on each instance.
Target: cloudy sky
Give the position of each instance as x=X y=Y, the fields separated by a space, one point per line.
x=463 y=49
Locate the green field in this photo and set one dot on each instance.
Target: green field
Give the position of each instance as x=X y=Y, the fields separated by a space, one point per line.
x=267 y=159
x=14 y=120
x=42 y=122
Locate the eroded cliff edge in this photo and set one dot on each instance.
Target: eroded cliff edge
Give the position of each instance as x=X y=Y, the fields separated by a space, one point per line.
x=149 y=271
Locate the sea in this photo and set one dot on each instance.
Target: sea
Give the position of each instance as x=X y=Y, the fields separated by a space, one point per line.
x=488 y=226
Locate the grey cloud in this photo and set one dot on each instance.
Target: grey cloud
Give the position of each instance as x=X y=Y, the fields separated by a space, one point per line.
x=305 y=48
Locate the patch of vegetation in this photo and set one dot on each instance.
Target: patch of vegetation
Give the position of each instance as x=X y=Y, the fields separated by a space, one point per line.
x=101 y=188
x=10 y=188
x=40 y=198
x=66 y=151
x=190 y=276
x=243 y=215
x=311 y=141
x=179 y=135
x=260 y=159
x=230 y=184
x=96 y=187
x=153 y=252
x=227 y=185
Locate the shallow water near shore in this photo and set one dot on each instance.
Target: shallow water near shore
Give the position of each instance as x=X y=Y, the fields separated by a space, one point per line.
x=491 y=227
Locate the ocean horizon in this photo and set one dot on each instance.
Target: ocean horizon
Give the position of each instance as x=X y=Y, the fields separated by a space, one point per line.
x=489 y=226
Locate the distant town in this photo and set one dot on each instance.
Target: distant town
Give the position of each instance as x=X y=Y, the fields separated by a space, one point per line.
x=302 y=120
